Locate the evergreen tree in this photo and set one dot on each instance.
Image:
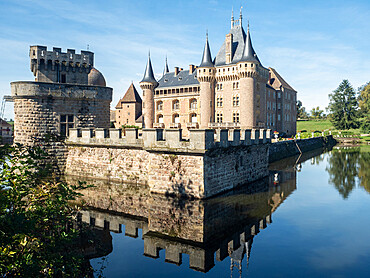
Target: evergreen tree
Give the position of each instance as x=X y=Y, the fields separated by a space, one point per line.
x=343 y=106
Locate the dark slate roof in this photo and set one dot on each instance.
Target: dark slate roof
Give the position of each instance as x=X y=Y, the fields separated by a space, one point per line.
x=281 y=80
x=166 y=70
x=238 y=47
x=131 y=96
x=183 y=78
x=269 y=86
x=139 y=119
x=249 y=55
x=207 y=58
x=149 y=75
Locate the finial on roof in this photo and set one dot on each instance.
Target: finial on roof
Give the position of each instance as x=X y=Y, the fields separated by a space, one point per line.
x=149 y=75
x=207 y=58
x=241 y=15
x=248 y=25
x=232 y=16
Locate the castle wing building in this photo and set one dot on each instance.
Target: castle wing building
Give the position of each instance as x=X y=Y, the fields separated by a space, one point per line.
x=234 y=90
x=129 y=108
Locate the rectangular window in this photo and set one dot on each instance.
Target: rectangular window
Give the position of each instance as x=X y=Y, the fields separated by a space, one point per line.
x=66 y=122
x=235 y=117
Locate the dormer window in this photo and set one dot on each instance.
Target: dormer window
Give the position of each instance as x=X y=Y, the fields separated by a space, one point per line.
x=166 y=80
x=180 y=78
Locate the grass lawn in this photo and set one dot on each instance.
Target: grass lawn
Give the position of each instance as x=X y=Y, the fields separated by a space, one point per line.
x=313 y=125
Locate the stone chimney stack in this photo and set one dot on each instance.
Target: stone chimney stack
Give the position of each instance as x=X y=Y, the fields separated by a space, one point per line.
x=176 y=71
x=191 y=69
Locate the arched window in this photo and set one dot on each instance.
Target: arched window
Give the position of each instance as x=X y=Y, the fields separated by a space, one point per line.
x=176 y=104
x=176 y=118
x=160 y=119
x=160 y=105
x=193 y=103
x=193 y=118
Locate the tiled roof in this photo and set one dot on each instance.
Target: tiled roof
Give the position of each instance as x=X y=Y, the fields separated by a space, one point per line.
x=183 y=78
x=238 y=47
x=280 y=79
x=131 y=96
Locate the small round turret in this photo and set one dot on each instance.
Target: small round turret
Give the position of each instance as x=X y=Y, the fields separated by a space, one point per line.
x=206 y=77
x=96 y=78
x=148 y=84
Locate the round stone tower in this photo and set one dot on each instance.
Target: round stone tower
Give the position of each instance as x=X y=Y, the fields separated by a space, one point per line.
x=148 y=84
x=206 y=77
x=253 y=76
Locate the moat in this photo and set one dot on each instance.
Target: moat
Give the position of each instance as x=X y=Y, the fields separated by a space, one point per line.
x=309 y=218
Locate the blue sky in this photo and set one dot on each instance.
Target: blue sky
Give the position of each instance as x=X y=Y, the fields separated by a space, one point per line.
x=312 y=44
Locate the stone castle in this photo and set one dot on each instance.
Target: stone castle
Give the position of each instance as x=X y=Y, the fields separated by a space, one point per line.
x=234 y=90
x=205 y=130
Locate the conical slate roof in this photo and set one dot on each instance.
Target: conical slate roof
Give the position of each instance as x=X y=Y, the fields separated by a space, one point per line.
x=207 y=58
x=249 y=55
x=166 y=70
x=149 y=75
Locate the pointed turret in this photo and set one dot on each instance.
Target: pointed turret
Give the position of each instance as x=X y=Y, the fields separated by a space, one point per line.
x=249 y=55
x=207 y=58
x=149 y=75
x=166 y=70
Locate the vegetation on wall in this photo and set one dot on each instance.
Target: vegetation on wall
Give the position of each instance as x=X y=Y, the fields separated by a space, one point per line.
x=37 y=234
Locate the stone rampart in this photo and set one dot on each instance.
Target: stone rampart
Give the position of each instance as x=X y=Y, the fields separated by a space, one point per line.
x=201 y=166
x=289 y=148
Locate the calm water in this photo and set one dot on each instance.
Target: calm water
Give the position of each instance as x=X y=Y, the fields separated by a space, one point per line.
x=310 y=218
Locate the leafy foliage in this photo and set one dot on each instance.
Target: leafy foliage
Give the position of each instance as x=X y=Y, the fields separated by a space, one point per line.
x=37 y=234
x=343 y=106
x=364 y=104
x=317 y=113
x=301 y=111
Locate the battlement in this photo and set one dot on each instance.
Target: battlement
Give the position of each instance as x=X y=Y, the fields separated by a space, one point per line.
x=60 y=67
x=169 y=140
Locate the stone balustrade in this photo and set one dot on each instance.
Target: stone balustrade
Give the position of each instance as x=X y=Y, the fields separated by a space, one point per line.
x=158 y=139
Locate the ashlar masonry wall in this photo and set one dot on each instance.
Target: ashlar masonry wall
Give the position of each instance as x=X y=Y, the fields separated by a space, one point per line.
x=203 y=166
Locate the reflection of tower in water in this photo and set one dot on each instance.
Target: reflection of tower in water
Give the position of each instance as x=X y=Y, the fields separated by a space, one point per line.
x=237 y=256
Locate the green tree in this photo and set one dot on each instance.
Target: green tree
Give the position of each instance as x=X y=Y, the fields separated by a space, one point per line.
x=301 y=111
x=37 y=220
x=317 y=112
x=364 y=104
x=343 y=106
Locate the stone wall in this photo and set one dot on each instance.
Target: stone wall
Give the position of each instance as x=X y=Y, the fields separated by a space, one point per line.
x=288 y=148
x=203 y=166
x=38 y=108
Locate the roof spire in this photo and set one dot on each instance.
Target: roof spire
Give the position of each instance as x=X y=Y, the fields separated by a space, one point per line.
x=249 y=55
x=166 y=70
x=241 y=16
x=207 y=58
x=232 y=17
x=149 y=75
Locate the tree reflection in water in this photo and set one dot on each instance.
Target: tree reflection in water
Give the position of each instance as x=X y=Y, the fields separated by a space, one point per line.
x=348 y=167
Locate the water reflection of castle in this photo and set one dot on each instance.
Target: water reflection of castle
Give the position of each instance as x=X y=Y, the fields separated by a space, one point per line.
x=225 y=225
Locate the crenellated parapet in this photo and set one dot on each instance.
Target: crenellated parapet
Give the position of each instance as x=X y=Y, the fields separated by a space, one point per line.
x=169 y=140
x=60 y=67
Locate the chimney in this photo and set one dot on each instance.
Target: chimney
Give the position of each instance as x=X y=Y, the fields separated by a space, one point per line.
x=176 y=71
x=191 y=69
x=181 y=69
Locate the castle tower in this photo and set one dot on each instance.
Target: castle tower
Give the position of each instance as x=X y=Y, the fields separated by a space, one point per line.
x=253 y=77
x=148 y=84
x=206 y=78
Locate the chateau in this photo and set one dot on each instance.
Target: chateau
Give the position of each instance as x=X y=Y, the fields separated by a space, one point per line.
x=233 y=90
x=205 y=130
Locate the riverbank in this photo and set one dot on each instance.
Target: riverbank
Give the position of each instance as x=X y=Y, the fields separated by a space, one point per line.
x=284 y=149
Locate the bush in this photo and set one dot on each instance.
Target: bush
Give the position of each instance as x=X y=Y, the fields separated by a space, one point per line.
x=37 y=237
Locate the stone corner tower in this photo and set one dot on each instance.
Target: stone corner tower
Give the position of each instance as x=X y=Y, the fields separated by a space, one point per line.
x=148 y=84
x=206 y=77
x=253 y=78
